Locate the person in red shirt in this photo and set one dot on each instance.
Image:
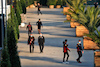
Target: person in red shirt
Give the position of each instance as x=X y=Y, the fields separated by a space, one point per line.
x=65 y=50
x=31 y=40
x=29 y=26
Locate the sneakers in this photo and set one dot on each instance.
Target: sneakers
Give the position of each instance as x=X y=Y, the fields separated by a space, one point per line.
x=79 y=62
x=66 y=62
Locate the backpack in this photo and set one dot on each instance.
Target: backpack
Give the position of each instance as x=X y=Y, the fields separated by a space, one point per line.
x=29 y=27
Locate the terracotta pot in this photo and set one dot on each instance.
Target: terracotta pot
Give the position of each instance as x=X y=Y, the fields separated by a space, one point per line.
x=89 y=44
x=97 y=59
x=51 y=6
x=81 y=30
x=31 y=6
x=65 y=9
x=74 y=24
x=58 y=6
x=27 y=7
x=68 y=17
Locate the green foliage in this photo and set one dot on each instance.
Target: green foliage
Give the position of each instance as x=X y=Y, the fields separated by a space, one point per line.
x=51 y=2
x=63 y=2
x=18 y=12
x=14 y=23
x=37 y=0
x=95 y=37
x=59 y=2
x=87 y=17
x=5 y=57
x=20 y=7
x=12 y=49
x=23 y=4
x=12 y=33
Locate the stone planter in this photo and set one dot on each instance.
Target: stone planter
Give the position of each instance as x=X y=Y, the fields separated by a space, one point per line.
x=74 y=24
x=65 y=9
x=31 y=6
x=97 y=59
x=68 y=17
x=81 y=30
x=27 y=7
x=58 y=6
x=51 y=6
x=89 y=44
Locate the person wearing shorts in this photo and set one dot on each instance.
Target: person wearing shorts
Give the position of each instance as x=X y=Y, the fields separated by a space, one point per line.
x=39 y=24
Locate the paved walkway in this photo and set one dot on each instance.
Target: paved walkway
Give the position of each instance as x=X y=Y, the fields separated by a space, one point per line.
x=55 y=31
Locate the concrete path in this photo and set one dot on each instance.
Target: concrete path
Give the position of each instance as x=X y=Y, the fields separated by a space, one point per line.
x=55 y=31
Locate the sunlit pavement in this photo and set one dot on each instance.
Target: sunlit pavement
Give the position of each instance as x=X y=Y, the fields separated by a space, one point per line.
x=55 y=32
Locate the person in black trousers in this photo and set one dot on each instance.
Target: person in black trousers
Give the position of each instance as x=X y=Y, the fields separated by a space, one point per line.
x=39 y=24
x=65 y=50
x=96 y=4
x=41 y=41
x=79 y=51
x=29 y=27
x=39 y=11
x=31 y=40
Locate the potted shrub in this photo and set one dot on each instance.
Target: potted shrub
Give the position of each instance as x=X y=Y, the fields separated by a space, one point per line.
x=51 y=3
x=58 y=4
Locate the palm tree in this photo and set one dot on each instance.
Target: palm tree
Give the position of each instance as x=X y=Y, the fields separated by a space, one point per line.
x=76 y=6
x=95 y=37
x=87 y=17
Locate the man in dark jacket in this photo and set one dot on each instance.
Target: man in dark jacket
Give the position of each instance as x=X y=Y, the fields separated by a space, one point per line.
x=29 y=27
x=65 y=50
x=31 y=40
x=79 y=51
x=41 y=41
x=39 y=24
x=39 y=9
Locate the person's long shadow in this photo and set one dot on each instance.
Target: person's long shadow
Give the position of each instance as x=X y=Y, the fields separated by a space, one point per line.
x=41 y=58
x=50 y=60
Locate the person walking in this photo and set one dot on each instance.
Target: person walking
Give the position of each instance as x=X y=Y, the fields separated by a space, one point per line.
x=31 y=40
x=39 y=11
x=96 y=4
x=65 y=50
x=79 y=51
x=41 y=41
x=39 y=24
x=29 y=27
